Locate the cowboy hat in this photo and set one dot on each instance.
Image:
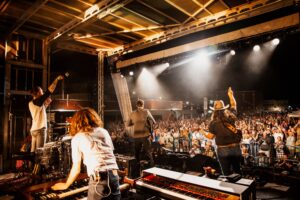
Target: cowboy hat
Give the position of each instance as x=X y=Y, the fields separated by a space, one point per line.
x=219 y=105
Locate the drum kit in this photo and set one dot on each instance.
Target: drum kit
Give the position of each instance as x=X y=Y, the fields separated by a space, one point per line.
x=55 y=156
x=57 y=130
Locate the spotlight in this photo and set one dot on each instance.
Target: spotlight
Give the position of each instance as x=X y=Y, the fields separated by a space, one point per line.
x=122 y=76
x=256 y=48
x=275 y=41
x=167 y=64
x=187 y=102
x=131 y=73
x=232 y=52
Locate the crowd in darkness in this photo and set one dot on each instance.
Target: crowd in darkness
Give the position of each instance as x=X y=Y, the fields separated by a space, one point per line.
x=268 y=139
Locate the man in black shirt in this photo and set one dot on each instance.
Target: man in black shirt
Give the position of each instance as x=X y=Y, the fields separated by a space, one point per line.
x=222 y=128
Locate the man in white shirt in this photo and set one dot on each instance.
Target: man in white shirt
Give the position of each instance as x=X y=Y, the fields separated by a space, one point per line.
x=277 y=133
x=37 y=107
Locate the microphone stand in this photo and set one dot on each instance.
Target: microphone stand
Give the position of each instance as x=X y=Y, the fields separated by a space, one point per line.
x=63 y=89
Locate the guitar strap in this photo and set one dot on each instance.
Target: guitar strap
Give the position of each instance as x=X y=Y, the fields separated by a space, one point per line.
x=234 y=130
x=230 y=127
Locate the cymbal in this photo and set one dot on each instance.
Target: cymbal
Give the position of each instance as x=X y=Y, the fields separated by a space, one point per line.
x=62 y=124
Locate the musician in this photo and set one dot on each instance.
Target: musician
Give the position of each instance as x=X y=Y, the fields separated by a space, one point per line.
x=37 y=108
x=92 y=144
x=222 y=128
x=141 y=119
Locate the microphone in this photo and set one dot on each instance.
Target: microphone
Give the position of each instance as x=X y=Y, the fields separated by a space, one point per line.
x=66 y=74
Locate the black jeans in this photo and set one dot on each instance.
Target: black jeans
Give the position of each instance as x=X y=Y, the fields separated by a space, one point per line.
x=230 y=157
x=107 y=187
x=146 y=144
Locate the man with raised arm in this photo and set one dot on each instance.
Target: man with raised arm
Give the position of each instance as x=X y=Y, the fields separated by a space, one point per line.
x=227 y=137
x=37 y=108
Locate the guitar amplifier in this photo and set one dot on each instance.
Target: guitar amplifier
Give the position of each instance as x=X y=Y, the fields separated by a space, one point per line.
x=129 y=165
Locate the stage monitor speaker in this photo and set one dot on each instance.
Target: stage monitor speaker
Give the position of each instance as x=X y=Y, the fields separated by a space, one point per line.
x=129 y=165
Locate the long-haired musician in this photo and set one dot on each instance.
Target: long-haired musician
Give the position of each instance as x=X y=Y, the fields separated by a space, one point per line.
x=227 y=137
x=92 y=144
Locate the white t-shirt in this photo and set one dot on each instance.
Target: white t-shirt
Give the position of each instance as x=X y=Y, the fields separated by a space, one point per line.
x=39 y=116
x=96 y=150
x=276 y=135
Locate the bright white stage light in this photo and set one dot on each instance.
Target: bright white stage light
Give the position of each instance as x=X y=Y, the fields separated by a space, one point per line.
x=158 y=69
x=275 y=41
x=131 y=73
x=232 y=52
x=256 y=48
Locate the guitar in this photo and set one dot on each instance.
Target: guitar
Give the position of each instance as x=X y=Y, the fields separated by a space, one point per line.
x=149 y=125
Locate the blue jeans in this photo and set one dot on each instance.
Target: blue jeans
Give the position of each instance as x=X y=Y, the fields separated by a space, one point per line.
x=230 y=157
x=100 y=189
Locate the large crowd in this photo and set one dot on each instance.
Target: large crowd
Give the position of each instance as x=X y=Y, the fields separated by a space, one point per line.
x=268 y=139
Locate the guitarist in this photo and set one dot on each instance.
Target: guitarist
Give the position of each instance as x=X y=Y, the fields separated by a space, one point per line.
x=227 y=137
x=142 y=120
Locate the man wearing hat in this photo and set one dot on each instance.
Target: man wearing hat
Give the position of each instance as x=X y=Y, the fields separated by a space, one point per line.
x=222 y=128
x=141 y=120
